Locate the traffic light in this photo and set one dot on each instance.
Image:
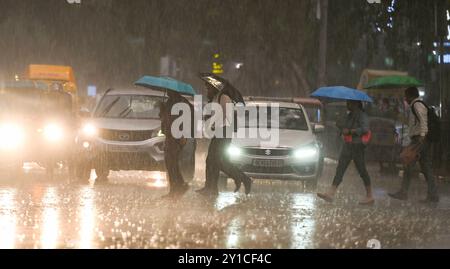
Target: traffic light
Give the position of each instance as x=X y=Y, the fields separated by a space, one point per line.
x=217 y=66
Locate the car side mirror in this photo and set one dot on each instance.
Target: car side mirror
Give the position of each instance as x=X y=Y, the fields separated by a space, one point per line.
x=319 y=128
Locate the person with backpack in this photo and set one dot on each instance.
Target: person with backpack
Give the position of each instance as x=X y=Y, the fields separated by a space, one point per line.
x=356 y=132
x=423 y=131
x=217 y=160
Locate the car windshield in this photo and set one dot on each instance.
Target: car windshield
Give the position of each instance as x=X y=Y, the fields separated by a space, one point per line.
x=314 y=113
x=129 y=107
x=22 y=102
x=290 y=119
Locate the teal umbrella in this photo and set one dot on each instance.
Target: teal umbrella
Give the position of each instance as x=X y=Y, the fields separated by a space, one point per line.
x=166 y=83
x=341 y=93
x=390 y=82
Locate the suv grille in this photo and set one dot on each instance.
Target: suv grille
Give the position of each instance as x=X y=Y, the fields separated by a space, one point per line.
x=125 y=136
x=267 y=170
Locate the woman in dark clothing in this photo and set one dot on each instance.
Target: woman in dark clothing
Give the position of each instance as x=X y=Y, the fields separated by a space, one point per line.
x=356 y=125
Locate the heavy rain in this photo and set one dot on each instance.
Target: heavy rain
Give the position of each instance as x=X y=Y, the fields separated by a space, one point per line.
x=355 y=95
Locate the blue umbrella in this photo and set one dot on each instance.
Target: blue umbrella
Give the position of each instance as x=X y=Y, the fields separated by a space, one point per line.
x=341 y=93
x=166 y=83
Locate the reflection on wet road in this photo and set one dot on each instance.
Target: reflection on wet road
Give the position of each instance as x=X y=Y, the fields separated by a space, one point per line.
x=8 y=220
x=129 y=213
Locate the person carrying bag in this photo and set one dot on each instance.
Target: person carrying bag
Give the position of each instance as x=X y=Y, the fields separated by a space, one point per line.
x=423 y=130
x=357 y=135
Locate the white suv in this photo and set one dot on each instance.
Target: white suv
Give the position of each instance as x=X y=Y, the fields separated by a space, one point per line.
x=128 y=135
x=298 y=156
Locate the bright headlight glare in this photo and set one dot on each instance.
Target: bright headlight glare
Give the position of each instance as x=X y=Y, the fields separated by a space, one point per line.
x=307 y=153
x=89 y=130
x=157 y=133
x=11 y=136
x=234 y=151
x=53 y=132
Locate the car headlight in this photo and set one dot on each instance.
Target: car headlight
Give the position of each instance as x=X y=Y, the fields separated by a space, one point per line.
x=53 y=132
x=234 y=151
x=307 y=153
x=11 y=136
x=89 y=130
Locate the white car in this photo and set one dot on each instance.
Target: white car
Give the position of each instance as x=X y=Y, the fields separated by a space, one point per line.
x=298 y=156
x=125 y=132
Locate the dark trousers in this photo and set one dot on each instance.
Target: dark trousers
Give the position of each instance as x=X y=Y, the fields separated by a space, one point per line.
x=425 y=161
x=355 y=153
x=217 y=161
x=171 y=157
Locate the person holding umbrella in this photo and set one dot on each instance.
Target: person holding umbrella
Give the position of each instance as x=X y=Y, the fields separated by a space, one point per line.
x=355 y=129
x=172 y=146
x=221 y=92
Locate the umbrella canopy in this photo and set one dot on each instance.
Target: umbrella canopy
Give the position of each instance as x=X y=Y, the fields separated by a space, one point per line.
x=393 y=82
x=217 y=82
x=166 y=83
x=341 y=93
x=223 y=86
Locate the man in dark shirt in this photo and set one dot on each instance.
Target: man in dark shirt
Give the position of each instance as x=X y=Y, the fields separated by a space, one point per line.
x=173 y=146
x=216 y=160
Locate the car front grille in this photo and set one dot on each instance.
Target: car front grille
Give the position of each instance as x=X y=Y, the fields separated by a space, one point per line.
x=125 y=136
x=303 y=170
x=267 y=152
x=267 y=170
x=130 y=161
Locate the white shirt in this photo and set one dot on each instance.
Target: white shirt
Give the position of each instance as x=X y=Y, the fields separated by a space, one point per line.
x=418 y=127
x=224 y=100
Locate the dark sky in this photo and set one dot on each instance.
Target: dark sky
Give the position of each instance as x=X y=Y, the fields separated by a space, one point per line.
x=113 y=42
x=110 y=43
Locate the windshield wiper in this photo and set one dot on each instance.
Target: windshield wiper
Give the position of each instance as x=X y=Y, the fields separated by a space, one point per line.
x=109 y=107
x=125 y=112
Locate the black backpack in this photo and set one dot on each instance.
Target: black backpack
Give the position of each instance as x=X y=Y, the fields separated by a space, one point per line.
x=434 y=124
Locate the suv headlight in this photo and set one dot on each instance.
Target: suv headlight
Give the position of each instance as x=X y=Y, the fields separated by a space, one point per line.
x=11 y=136
x=89 y=130
x=307 y=153
x=53 y=132
x=234 y=151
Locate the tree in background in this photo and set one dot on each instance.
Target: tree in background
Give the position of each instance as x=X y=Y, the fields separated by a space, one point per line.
x=113 y=42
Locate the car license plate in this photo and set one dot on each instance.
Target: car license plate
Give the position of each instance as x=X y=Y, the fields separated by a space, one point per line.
x=268 y=163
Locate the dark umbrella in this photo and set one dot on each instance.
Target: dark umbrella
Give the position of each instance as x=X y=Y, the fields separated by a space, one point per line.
x=223 y=85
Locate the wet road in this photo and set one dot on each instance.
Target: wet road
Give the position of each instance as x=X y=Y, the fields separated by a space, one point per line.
x=128 y=213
